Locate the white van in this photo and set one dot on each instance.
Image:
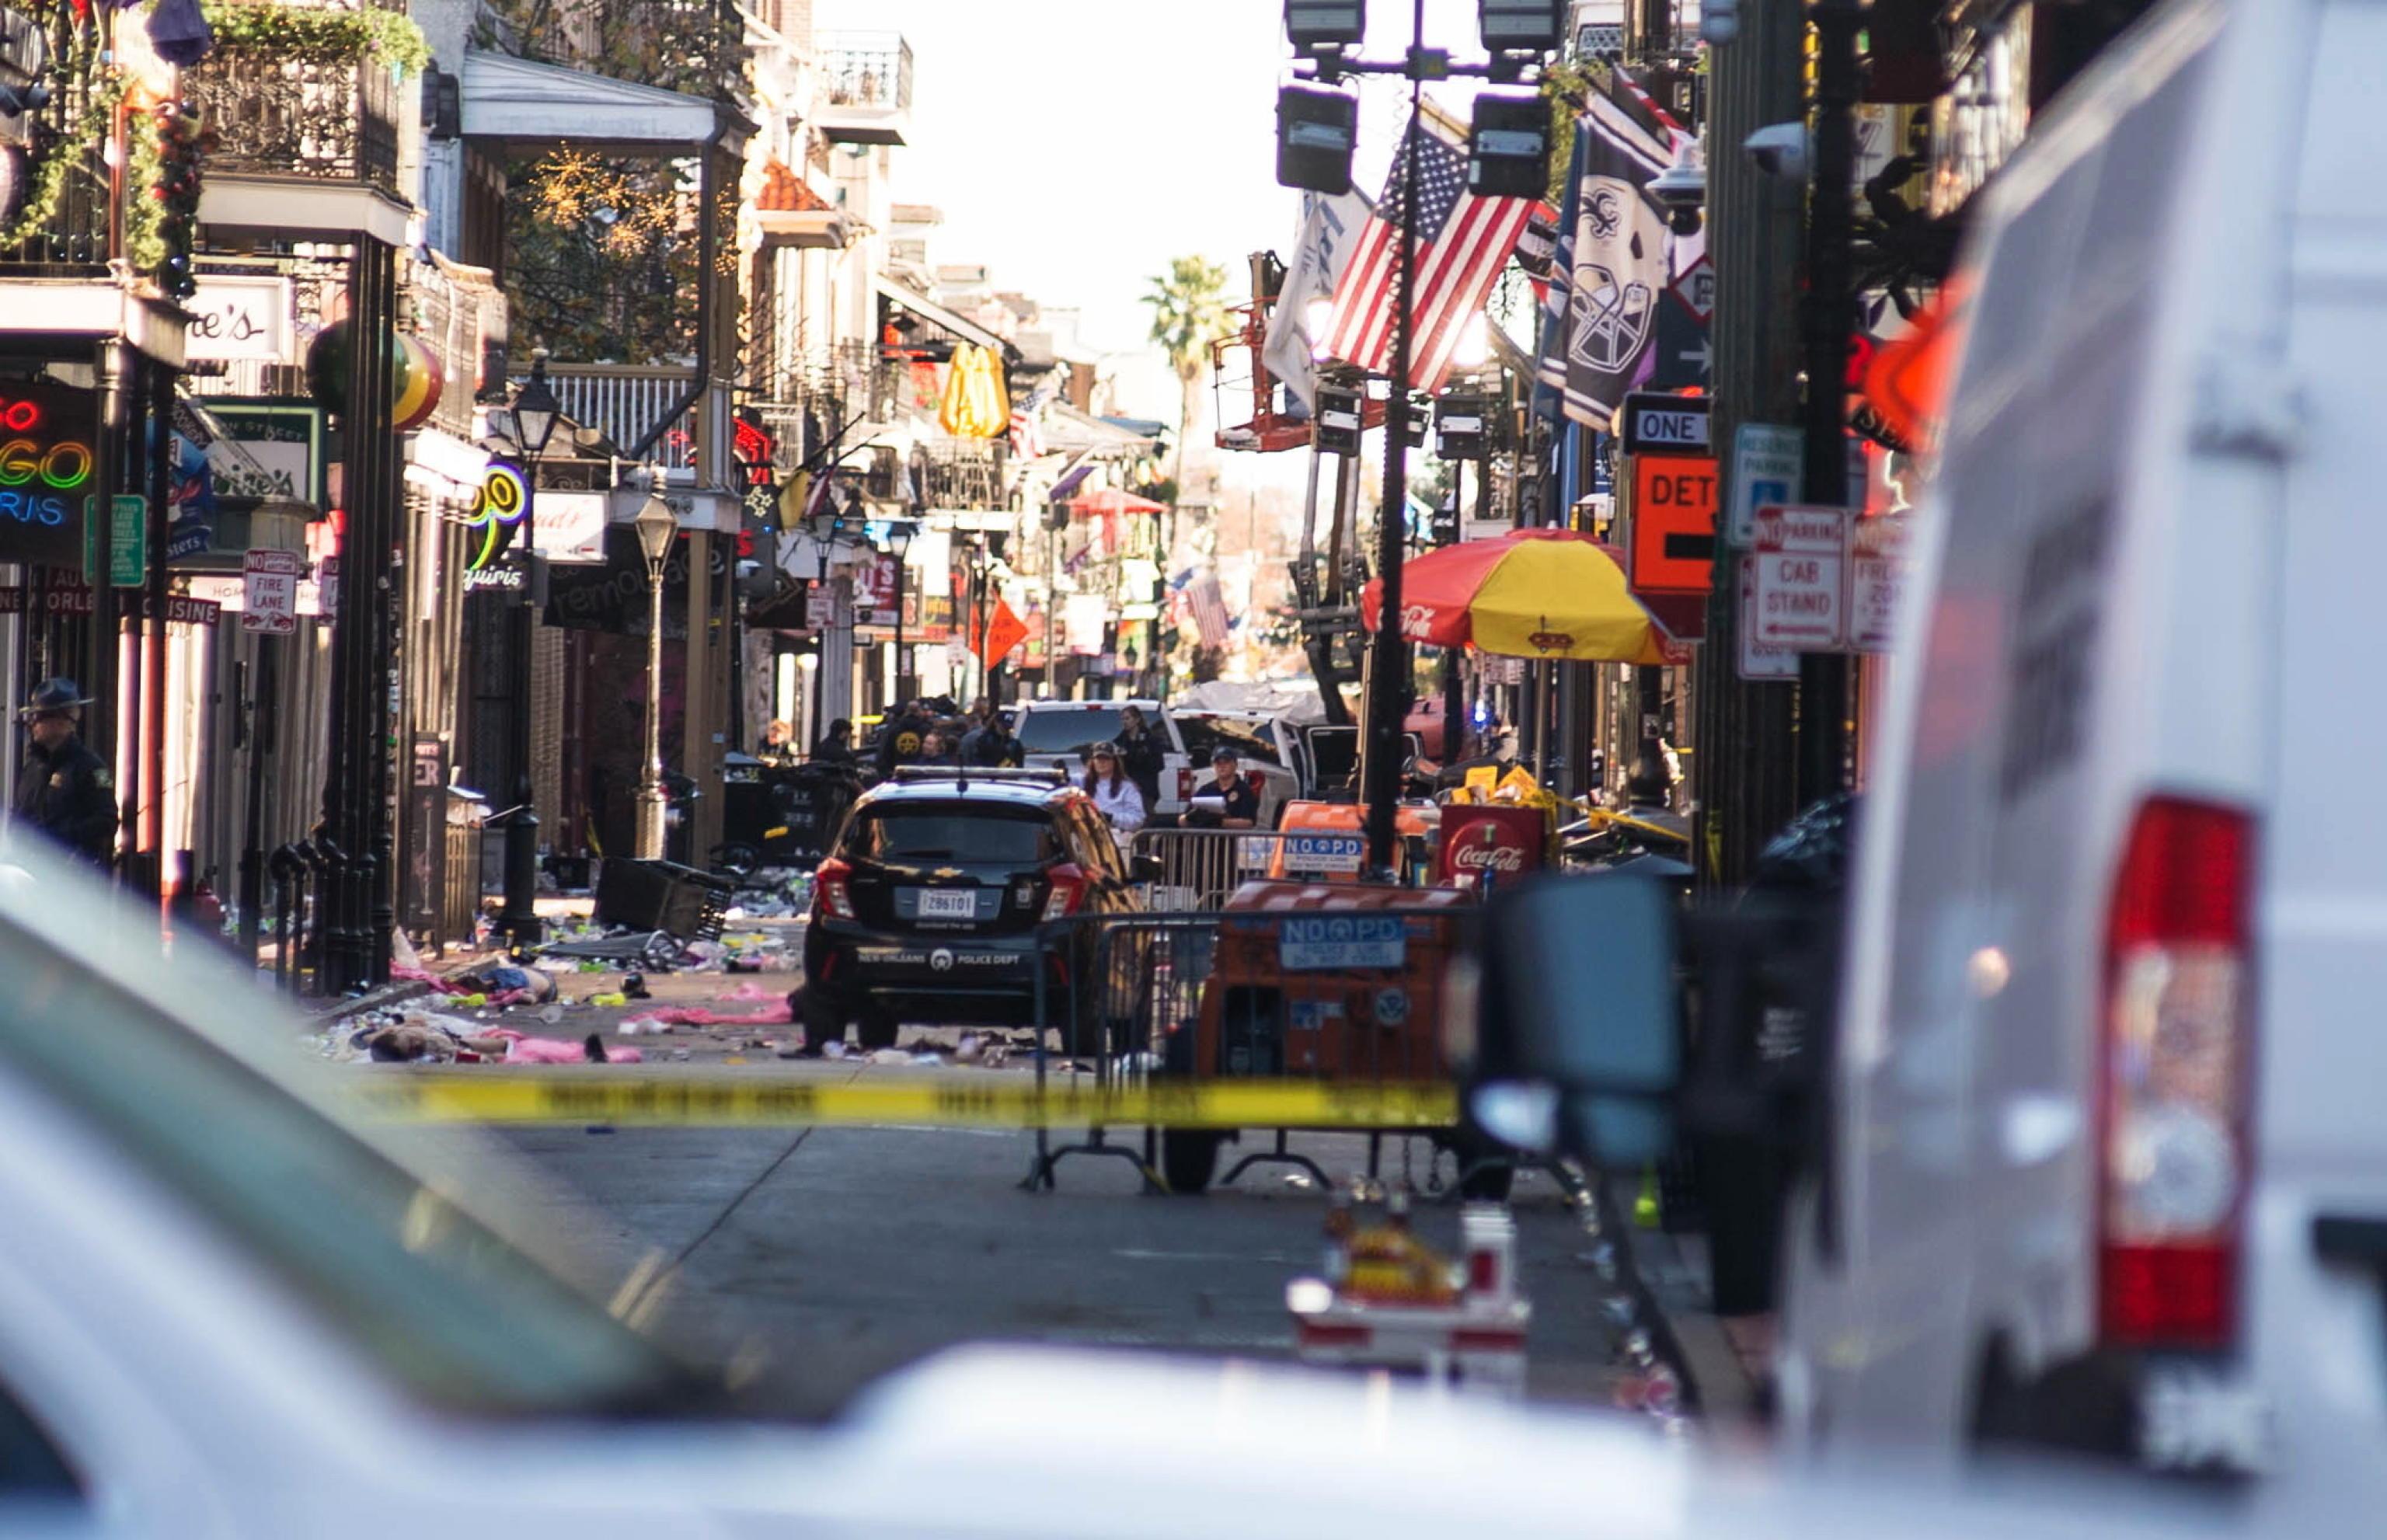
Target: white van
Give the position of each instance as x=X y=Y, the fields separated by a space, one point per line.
x=2109 y=1143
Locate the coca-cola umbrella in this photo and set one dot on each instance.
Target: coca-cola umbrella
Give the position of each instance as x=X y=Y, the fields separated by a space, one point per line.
x=1531 y=593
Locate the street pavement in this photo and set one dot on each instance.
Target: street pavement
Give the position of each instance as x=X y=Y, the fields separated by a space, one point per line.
x=841 y=1253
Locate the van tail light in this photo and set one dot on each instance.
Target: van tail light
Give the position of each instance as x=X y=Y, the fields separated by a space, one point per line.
x=1067 y=891
x=2177 y=1048
x=833 y=883
x=1186 y=784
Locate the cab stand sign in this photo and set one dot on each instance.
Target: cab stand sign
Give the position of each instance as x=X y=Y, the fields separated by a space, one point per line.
x=1823 y=581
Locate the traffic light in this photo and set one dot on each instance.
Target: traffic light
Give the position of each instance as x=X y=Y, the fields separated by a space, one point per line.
x=1315 y=132
x=1508 y=148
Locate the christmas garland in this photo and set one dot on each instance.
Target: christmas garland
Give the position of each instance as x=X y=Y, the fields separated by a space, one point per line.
x=70 y=152
x=312 y=36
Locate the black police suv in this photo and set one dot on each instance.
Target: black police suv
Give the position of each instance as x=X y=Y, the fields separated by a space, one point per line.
x=928 y=906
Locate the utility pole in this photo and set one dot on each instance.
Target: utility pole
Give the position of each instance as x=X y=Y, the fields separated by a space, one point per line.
x=1830 y=316
x=1743 y=775
x=1380 y=769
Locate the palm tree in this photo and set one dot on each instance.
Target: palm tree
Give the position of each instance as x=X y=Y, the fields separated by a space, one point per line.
x=1189 y=312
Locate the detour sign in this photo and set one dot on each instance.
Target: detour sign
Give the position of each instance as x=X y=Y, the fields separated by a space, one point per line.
x=1673 y=524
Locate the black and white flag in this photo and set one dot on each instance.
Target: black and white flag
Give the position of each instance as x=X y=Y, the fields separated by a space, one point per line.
x=1617 y=262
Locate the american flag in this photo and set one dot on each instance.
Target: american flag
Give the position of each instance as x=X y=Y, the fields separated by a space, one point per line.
x=1461 y=242
x=1209 y=610
x=1027 y=431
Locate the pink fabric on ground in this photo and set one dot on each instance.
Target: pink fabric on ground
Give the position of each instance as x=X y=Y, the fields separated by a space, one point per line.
x=748 y=991
x=524 y=1050
x=697 y=1016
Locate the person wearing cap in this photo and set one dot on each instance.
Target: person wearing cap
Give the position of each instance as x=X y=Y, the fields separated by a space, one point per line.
x=1239 y=804
x=63 y=788
x=1116 y=797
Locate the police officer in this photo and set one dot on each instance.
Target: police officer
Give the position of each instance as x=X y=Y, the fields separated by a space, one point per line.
x=1239 y=805
x=63 y=788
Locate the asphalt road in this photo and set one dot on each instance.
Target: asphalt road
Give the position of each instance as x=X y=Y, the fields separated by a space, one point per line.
x=844 y=1251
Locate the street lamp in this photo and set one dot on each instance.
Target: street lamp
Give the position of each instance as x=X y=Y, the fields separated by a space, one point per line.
x=899 y=540
x=656 y=528
x=532 y=422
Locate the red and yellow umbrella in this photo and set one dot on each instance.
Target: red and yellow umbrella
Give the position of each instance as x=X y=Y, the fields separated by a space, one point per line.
x=1531 y=593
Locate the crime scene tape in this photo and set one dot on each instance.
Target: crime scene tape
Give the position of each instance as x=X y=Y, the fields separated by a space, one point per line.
x=727 y=1100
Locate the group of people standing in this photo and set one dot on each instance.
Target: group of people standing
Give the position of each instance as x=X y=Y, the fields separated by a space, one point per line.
x=918 y=732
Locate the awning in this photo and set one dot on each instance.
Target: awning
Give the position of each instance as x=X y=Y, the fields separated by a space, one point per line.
x=929 y=309
x=1066 y=487
x=533 y=107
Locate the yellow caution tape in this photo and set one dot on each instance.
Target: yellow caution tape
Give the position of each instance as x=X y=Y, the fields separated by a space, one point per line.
x=720 y=1101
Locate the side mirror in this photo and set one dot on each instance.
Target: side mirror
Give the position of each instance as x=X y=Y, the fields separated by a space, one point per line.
x=1144 y=868
x=1577 y=1039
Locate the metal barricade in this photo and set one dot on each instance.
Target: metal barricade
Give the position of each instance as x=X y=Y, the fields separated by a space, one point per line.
x=460 y=897
x=1350 y=994
x=291 y=871
x=1199 y=869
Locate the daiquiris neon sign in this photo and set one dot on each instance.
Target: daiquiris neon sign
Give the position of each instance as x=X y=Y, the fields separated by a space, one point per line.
x=497 y=507
x=41 y=475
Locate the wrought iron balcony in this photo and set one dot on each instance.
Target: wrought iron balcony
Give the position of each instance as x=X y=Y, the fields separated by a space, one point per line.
x=965 y=473
x=274 y=114
x=625 y=401
x=75 y=239
x=868 y=76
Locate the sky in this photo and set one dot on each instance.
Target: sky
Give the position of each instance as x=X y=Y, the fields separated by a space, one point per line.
x=1075 y=146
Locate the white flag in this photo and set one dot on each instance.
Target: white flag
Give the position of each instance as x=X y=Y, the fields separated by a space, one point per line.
x=1329 y=231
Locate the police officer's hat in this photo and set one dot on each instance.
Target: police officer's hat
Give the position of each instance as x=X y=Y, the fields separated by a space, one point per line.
x=55 y=695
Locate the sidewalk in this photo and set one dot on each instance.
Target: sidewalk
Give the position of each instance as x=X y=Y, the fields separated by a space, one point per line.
x=1674 y=1268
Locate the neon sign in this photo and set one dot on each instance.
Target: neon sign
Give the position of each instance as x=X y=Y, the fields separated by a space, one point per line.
x=497 y=507
x=46 y=458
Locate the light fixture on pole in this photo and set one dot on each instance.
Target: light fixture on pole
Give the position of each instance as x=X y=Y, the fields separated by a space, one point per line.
x=899 y=540
x=1316 y=130
x=657 y=527
x=1521 y=26
x=532 y=422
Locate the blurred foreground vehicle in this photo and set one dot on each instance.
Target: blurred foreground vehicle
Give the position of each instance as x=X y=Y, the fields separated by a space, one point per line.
x=226 y=1309
x=2099 y=1163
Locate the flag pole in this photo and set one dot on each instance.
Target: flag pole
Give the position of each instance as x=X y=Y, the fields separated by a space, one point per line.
x=1387 y=676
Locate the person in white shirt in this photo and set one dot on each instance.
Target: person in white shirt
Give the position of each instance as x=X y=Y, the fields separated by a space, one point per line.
x=1116 y=797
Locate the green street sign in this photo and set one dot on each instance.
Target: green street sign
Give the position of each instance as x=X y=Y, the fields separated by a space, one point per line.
x=128 y=551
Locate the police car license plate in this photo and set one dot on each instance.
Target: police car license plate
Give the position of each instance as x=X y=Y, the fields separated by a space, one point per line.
x=948 y=903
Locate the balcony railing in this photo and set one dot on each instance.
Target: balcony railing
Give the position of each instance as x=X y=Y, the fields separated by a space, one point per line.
x=626 y=401
x=273 y=115
x=867 y=68
x=965 y=473
x=74 y=242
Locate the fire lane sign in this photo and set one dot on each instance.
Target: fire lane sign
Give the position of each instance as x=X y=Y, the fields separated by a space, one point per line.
x=270 y=591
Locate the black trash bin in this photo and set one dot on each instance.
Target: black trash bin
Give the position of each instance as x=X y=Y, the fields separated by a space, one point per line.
x=809 y=803
x=661 y=895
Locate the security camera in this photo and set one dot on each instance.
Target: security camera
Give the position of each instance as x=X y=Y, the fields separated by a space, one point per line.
x=1681 y=192
x=1780 y=149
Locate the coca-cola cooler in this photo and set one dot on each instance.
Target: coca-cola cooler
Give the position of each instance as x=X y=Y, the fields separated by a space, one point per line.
x=1487 y=844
